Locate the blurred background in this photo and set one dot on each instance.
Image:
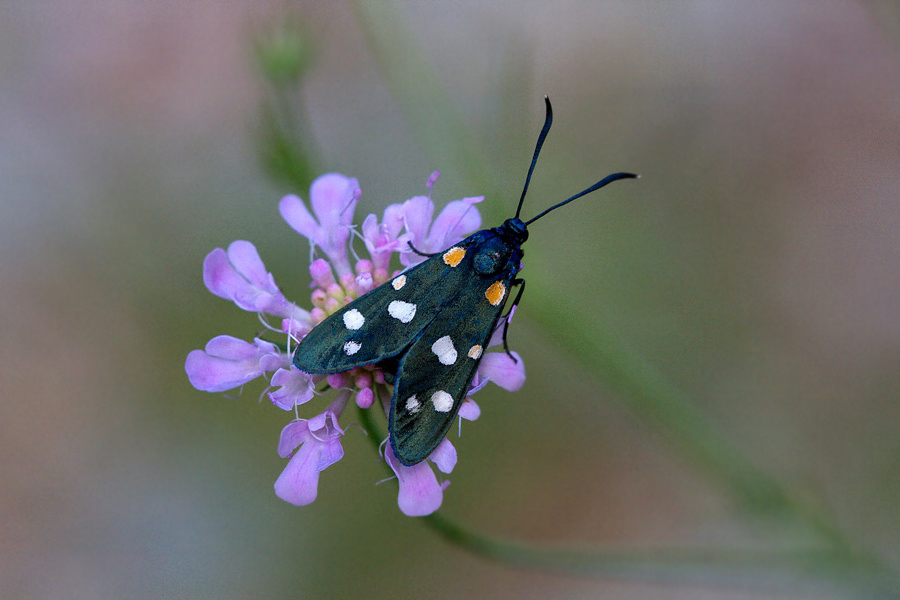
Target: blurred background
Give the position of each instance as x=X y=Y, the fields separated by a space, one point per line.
x=753 y=269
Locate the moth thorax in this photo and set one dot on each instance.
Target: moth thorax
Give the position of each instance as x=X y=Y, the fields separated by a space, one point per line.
x=491 y=256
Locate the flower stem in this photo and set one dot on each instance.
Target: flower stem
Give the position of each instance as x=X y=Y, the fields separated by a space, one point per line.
x=747 y=569
x=653 y=398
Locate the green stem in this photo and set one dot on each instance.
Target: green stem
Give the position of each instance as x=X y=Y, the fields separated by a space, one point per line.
x=640 y=386
x=718 y=566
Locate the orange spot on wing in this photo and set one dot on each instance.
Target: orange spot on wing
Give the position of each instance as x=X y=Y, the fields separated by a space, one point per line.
x=454 y=256
x=495 y=293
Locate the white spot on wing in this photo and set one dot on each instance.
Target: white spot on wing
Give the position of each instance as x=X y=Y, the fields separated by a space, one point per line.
x=475 y=351
x=399 y=282
x=442 y=401
x=412 y=404
x=445 y=351
x=351 y=348
x=353 y=319
x=402 y=311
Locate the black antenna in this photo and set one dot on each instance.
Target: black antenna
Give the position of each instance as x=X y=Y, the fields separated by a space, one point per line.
x=548 y=121
x=605 y=181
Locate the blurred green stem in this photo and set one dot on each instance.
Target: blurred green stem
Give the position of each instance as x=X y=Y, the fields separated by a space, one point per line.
x=641 y=387
x=289 y=151
x=752 y=569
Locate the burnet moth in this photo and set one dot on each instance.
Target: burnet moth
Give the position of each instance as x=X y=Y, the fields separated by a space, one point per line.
x=429 y=325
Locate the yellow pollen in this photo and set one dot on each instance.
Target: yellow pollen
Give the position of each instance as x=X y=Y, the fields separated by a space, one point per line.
x=495 y=293
x=454 y=256
x=475 y=351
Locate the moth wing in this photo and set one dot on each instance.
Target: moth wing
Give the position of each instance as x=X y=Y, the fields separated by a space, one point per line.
x=383 y=322
x=434 y=375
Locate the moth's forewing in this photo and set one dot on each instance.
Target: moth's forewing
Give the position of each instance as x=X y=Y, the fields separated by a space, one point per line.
x=434 y=374
x=382 y=323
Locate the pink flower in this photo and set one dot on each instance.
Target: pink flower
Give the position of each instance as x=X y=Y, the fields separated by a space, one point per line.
x=420 y=493
x=333 y=198
x=319 y=443
x=228 y=363
x=238 y=274
x=382 y=239
x=296 y=388
x=458 y=219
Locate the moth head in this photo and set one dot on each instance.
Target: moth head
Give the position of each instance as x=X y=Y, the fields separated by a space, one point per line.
x=516 y=230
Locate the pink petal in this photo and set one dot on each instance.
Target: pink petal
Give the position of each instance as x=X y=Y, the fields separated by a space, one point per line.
x=219 y=276
x=469 y=410
x=333 y=198
x=325 y=426
x=393 y=220
x=330 y=453
x=478 y=382
x=444 y=456
x=240 y=276
x=226 y=363
x=502 y=370
x=246 y=261
x=296 y=327
x=458 y=219
x=232 y=348
x=299 y=482
x=298 y=217
x=292 y=436
x=213 y=374
x=417 y=213
x=296 y=388
x=370 y=231
x=420 y=493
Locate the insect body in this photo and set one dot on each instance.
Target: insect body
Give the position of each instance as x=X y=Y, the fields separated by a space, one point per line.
x=431 y=324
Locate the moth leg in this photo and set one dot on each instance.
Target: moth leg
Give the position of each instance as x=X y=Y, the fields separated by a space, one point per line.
x=521 y=284
x=425 y=254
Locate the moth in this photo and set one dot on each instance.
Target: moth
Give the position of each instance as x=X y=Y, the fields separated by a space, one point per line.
x=428 y=327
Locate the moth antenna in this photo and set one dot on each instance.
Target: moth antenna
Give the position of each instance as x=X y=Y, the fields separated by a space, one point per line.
x=548 y=121
x=603 y=182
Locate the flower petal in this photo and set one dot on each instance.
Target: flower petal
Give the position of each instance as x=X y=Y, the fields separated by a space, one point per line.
x=420 y=493
x=226 y=363
x=392 y=221
x=219 y=276
x=295 y=213
x=296 y=388
x=469 y=410
x=499 y=368
x=444 y=456
x=246 y=261
x=458 y=219
x=333 y=197
x=330 y=453
x=299 y=482
x=293 y=434
x=240 y=276
x=417 y=214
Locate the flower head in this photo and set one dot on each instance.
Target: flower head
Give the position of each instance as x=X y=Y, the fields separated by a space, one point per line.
x=238 y=275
